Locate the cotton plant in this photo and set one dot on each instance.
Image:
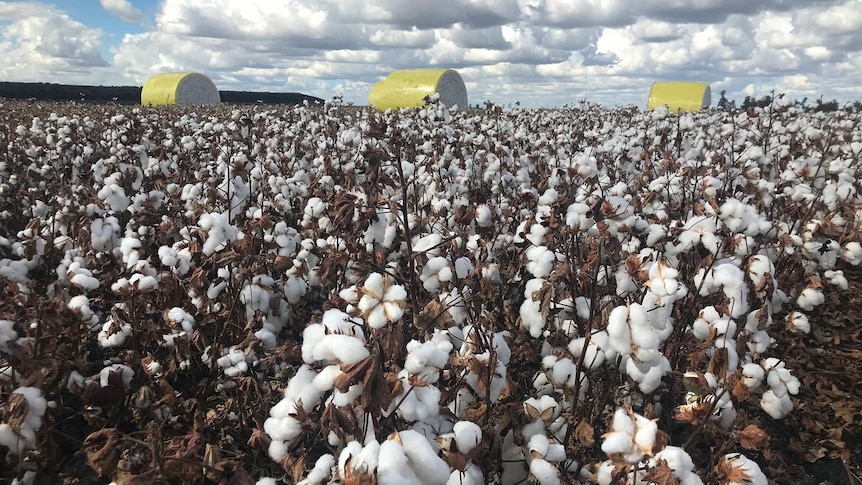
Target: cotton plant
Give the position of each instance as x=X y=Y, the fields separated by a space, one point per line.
x=631 y=336
x=379 y=300
x=19 y=433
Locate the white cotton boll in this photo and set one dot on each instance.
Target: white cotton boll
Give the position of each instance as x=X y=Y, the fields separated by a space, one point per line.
x=114 y=334
x=753 y=375
x=852 y=253
x=484 y=215
x=644 y=437
x=540 y=261
x=393 y=467
x=544 y=472
x=325 y=379
x=777 y=407
x=7 y=334
x=749 y=468
x=467 y=435
x=616 y=443
x=282 y=431
x=425 y=360
x=532 y=318
x=810 y=298
x=423 y=459
x=126 y=373
x=798 y=322
x=339 y=349
x=84 y=281
x=472 y=475
x=463 y=267
x=17 y=442
x=619 y=332
x=271 y=481
x=837 y=278
x=680 y=463
x=36 y=406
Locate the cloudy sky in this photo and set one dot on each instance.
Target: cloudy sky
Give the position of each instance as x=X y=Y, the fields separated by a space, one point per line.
x=539 y=52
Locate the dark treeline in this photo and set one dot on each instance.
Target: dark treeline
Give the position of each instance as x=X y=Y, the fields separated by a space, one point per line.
x=804 y=104
x=131 y=94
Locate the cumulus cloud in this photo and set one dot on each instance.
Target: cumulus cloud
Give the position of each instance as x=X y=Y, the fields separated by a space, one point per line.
x=122 y=9
x=539 y=52
x=38 y=38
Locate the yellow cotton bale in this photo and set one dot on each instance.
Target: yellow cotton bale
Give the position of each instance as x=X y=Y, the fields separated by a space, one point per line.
x=409 y=87
x=680 y=95
x=180 y=88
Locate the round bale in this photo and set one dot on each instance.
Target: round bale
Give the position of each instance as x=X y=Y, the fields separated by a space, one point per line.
x=409 y=87
x=680 y=96
x=180 y=88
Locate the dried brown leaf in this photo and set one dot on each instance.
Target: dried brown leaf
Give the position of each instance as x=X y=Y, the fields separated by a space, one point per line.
x=661 y=475
x=102 y=450
x=753 y=438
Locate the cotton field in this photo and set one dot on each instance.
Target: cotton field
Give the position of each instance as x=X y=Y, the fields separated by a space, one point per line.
x=333 y=295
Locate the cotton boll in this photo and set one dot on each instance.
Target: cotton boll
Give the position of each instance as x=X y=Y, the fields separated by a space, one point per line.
x=777 y=407
x=753 y=375
x=852 y=253
x=394 y=468
x=809 y=298
x=837 y=278
x=736 y=464
x=423 y=459
x=797 y=322
x=544 y=472
x=7 y=334
x=337 y=348
x=126 y=374
x=472 y=475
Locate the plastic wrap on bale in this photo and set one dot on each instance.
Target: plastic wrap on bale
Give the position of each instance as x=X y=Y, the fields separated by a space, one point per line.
x=180 y=88
x=680 y=96
x=409 y=87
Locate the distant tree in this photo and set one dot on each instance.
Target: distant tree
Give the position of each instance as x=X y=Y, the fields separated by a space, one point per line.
x=724 y=103
x=761 y=102
x=825 y=106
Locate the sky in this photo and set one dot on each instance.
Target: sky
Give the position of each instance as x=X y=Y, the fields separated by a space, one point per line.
x=540 y=53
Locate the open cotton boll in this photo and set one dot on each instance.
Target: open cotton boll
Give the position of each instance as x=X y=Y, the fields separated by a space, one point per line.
x=680 y=463
x=797 y=322
x=632 y=437
x=382 y=301
x=423 y=459
x=484 y=215
x=467 y=435
x=7 y=334
x=472 y=475
x=594 y=357
x=753 y=375
x=852 y=253
x=126 y=373
x=426 y=359
x=338 y=348
x=416 y=403
x=435 y=271
x=738 y=469
x=540 y=261
x=220 y=232
x=114 y=333
x=544 y=472
x=531 y=317
x=836 y=277
x=810 y=298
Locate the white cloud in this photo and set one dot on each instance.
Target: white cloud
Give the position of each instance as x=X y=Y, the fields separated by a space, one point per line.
x=541 y=52
x=38 y=39
x=122 y=9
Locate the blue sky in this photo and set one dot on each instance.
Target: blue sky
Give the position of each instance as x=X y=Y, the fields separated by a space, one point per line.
x=538 y=52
